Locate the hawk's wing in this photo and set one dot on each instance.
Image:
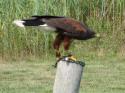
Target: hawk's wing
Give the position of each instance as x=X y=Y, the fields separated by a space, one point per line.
x=69 y=27
x=66 y=24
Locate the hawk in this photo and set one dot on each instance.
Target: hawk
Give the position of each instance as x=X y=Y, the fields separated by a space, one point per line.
x=66 y=28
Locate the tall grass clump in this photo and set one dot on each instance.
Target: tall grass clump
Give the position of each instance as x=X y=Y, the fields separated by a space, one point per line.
x=103 y=16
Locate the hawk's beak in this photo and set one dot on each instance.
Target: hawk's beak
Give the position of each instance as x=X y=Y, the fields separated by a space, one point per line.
x=97 y=35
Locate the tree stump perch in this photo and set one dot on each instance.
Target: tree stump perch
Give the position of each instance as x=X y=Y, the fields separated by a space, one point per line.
x=68 y=77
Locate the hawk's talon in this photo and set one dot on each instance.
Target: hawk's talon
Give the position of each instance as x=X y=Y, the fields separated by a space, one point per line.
x=65 y=58
x=71 y=58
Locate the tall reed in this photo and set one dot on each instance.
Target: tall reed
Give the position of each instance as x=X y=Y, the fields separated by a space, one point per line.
x=104 y=16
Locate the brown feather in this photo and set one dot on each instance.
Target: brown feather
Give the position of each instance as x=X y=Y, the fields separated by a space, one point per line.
x=67 y=24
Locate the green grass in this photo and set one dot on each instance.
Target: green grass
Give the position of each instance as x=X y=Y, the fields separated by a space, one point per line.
x=37 y=76
x=26 y=77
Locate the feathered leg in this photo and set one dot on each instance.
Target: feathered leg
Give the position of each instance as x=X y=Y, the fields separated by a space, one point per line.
x=58 y=40
x=66 y=42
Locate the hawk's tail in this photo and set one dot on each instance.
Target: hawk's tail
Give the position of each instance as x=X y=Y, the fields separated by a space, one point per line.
x=35 y=21
x=28 y=22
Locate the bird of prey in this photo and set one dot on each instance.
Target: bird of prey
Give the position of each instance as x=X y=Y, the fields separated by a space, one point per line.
x=66 y=28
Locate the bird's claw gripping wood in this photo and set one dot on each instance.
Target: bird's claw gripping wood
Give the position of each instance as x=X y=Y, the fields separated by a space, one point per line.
x=69 y=58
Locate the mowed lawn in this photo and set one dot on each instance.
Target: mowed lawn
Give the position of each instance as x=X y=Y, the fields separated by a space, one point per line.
x=100 y=76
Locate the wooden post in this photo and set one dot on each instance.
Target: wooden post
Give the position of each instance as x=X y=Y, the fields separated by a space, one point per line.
x=68 y=77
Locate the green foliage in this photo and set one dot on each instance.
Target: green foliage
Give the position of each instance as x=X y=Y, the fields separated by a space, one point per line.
x=104 y=16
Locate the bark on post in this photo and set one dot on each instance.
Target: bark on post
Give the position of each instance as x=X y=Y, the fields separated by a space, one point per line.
x=68 y=77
